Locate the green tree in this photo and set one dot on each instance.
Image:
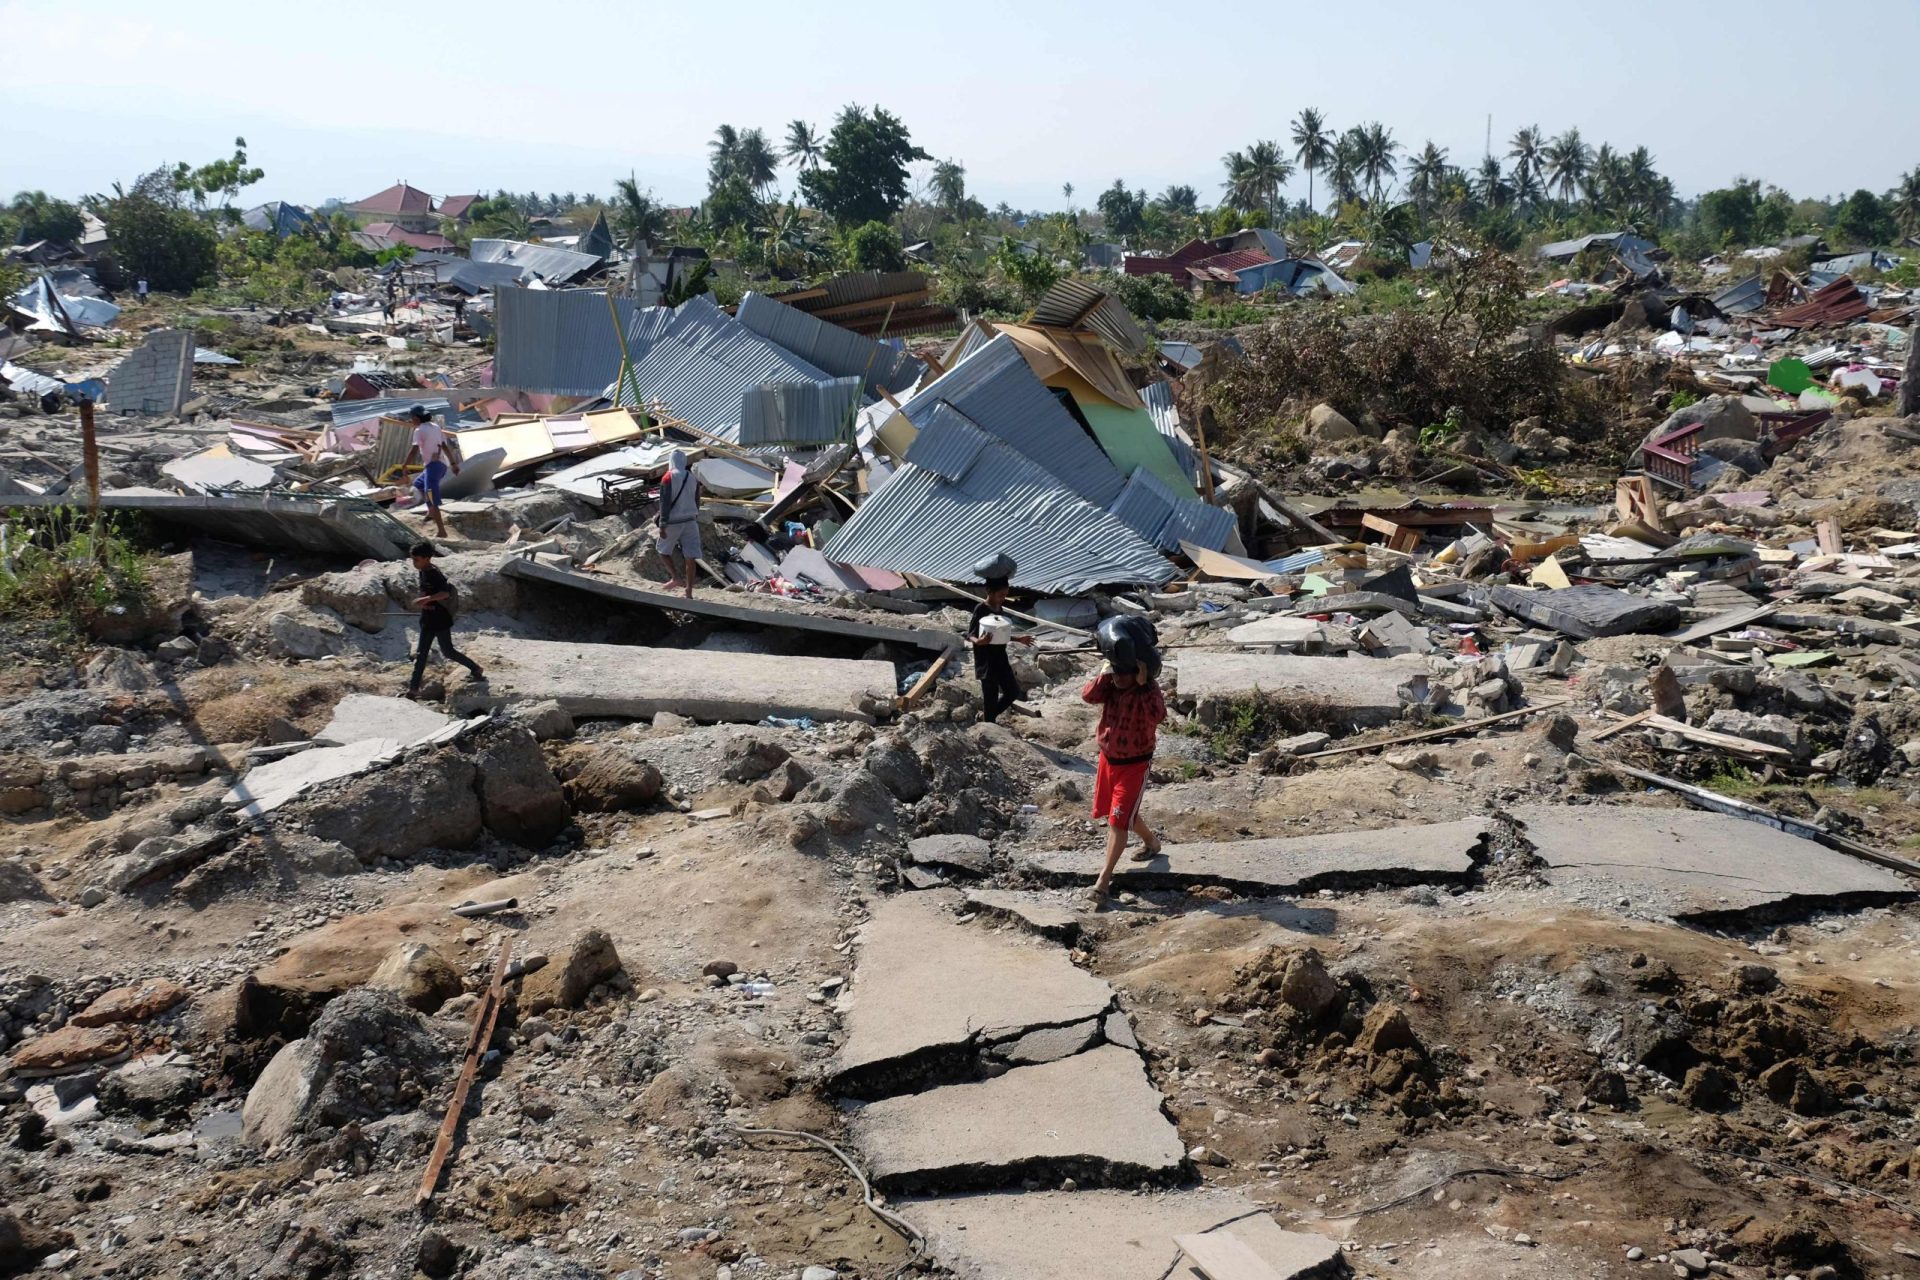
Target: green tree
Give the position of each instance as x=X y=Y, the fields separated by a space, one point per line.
x=38 y=216
x=508 y=223
x=802 y=146
x=1905 y=201
x=874 y=246
x=1567 y=159
x=1153 y=297
x=864 y=175
x=1376 y=159
x=637 y=218
x=1313 y=144
x=950 y=185
x=1527 y=150
x=723 y=155
x=1180 y=199
x=1266 y=172
x=1862 y=219
x=224 y=178
x=1427 y=177
x=755 y=159
x=1122 y=209
x=731 y=205
x=156 y=240
x=1031 y=273
x=1728 y=216
x=1343 y=166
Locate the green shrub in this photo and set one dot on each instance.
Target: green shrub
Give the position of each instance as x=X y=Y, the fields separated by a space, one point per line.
x=58 y=566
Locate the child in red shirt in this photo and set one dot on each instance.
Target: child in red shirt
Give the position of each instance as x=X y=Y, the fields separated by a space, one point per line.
x=1131 y=709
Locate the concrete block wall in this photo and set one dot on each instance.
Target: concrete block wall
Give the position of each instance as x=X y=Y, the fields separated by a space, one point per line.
x=157 y=377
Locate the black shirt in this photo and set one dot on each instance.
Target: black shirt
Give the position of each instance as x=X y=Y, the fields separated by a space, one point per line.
x=432 y=583
x=987 y=654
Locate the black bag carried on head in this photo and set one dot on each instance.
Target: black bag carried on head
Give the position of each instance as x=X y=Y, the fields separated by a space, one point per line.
x=998 y=565
x=1126 y=641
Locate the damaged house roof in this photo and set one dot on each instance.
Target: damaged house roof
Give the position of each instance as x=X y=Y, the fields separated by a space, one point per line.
x=840 y=352
x=397 y=200
x=555 y=266
x=1071 y=304
x=964 y=494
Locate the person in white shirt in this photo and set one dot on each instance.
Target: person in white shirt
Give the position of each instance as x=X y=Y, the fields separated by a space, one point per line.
x=438 y=454
x=679 y=521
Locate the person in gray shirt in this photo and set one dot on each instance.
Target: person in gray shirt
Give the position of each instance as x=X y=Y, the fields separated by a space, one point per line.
x=679 y=521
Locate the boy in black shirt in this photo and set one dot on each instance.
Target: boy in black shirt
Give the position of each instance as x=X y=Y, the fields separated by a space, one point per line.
x=998 y=689
x=436 y=617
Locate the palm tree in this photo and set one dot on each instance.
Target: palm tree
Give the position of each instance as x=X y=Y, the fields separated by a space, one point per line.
x=1567 y=161
x=1428 y=173
x=1527 y=190
x=1490 y=185
x=1066 y=189
x=1377 y=149
x=637 y=216
x=1239 y=183
x=756 y=160
x=1313 y=144
x=1344 y=167
x=509 y=224
x=1641 y=177
x=1525 y=150
x=949 y=184
x=1606 y=178
x=803 y=146
x=723 y=155
x=1185 y=200
x=1267 y=170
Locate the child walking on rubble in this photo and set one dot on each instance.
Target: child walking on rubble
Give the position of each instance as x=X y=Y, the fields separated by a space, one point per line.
x=999 y=690
x=435 y=603
x=1131 y=709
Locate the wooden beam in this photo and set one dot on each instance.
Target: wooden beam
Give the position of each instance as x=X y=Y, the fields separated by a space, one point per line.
x=1638 y=718
x=1445 y=731
x=925 y=682
x=1011 y=613
x=485 y=1014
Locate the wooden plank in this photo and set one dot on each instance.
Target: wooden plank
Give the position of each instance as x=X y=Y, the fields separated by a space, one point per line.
x=1732 y=620
x=1707 y=737
x=1827 y=532
x=1638 y=718
x=1220 y=1255
x=791 y=618
x=1445 y=731
x=485 y=1014
x=925 y=682
x=1218 y=564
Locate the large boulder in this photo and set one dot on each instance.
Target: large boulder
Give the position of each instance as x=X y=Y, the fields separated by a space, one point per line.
x=419 y=975
x=899 y=770
x=1327 y=425
x=368 y=593
x=752 y=758
x=590 y=960
x=520 y=799
x=1720 y=418
x=17 y=881
x=296 y=631
x=366 y=1056
x=425 y=802
x=608 y=779
x=164 y=1085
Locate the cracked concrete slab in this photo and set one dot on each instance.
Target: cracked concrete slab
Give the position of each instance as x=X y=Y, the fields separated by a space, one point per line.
x=1364 y=690
x=1039 y=913
x=1114 y=1235
x=965 y=853
x=1695 y=866
x=362 y=717
x=1427 y=853
x=1050 y=1044
x=1093 y=1117
x=927 y=992
x=636 y=683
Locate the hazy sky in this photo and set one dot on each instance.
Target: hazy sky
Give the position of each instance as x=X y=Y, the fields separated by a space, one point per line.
x=343 y=98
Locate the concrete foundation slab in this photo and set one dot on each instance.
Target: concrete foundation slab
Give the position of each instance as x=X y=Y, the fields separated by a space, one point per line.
x=1114 y=1235
x=1697 y=867
x=1363 y=690
x=966 y=853
x=1094 y=1117
x=359 y=717
x=927 y=992
x=1432 y=853
x=266 y=787
x=1283 y=631
x=637 y=683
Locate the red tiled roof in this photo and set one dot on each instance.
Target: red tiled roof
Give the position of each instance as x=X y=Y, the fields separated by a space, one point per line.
x=456 y=206
x=1235 y=260
x=397 y=199
x=426 y=240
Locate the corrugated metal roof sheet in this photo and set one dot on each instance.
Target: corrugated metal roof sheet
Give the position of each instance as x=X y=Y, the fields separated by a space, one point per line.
x=920 y=522
x=347 y=412
x=1744 y=296
x=557 y=341
x=701 y=363
x=1836 y=303
x=1235 y=260
x=840 y=352
x=1166 y=519
x=996 y=390
x=799 y=412
x=1073 y=304
x=555 y=266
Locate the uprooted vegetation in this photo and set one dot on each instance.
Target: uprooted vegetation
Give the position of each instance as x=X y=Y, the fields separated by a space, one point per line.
x=58 y=566
x=1455 y=359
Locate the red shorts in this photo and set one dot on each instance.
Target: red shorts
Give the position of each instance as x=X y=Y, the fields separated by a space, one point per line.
x=1117 y=789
